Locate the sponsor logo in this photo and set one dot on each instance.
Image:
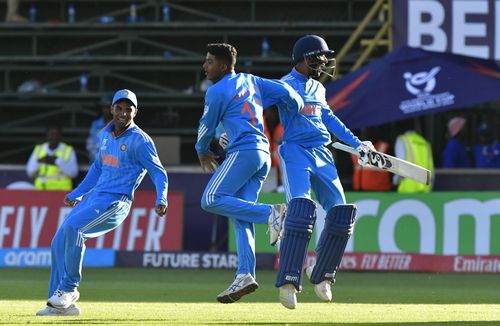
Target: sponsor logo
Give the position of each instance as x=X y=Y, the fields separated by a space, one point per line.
x=311 y=109
x=378 y=160
x=291 y=278
x=476 y=264
x=19 y=258
x=190 y=260
x=110 y=160
x=421 y=85
x=41 y=257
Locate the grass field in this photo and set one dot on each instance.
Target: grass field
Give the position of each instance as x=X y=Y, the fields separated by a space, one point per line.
x=150 y=296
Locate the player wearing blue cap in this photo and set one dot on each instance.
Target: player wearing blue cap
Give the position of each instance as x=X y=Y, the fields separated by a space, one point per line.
x=126 y=153
x=237 y=101
x=306 y=164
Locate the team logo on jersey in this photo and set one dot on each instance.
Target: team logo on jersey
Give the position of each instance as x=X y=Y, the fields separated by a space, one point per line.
x=103 y=145
x=123 y=147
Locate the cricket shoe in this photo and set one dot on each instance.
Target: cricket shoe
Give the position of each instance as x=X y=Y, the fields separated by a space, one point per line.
x=63 y=300
x=72 y=310
x=323 y=290
x=275 y=222
x=288 y=296
x=243 y=284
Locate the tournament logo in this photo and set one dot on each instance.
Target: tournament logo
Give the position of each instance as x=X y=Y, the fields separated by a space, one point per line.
x=421 y=85
x=123 y=147
x=422 y=82
x=103 y=145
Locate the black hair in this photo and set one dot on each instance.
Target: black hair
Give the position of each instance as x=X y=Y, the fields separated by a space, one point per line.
x=223 y=52
x=54 y=125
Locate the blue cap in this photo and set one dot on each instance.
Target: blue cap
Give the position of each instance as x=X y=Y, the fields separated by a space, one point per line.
x=125 y=94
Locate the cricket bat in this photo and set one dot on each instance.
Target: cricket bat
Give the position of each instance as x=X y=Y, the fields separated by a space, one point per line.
x=392 y=164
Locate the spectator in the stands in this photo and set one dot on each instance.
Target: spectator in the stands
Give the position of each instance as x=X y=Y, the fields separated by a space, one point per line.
x=487 y=152
x=97 y=125
x=12 y=15
x=53 y=164
x=455 y=153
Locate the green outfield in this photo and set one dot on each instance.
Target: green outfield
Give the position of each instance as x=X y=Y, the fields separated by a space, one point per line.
x=150 y=296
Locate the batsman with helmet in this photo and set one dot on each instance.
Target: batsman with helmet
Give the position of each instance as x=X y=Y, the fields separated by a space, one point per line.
x=308 y=164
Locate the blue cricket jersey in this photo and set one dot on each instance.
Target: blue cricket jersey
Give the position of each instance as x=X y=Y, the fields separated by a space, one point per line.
x=237 y=101
x=310 y=127
x=121 y=165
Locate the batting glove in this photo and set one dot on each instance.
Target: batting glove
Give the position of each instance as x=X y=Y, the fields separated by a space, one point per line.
x=364 y=150
x=223 y=141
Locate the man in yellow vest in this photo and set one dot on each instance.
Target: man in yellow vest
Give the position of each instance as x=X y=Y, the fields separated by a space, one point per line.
x=412 y=147
x=53 y=164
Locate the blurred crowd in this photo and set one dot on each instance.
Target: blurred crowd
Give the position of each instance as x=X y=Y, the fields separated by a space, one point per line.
x=53 y=163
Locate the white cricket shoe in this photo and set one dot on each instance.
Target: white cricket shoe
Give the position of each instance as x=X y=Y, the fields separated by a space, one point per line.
x=63 y=300
x=243 y=284
x=288 y=296
x=323 y=290
x=275 y=222
x=72 y=310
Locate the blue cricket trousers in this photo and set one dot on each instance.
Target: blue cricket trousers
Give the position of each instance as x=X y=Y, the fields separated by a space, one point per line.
x=232 y=192
x=95 y=215
x=305 y=168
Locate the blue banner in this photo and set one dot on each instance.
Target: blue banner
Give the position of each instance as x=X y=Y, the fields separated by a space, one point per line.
x=41 y=257
x=410 y=82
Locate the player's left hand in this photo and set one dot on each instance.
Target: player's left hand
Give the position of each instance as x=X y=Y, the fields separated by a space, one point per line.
x=161 y=210
x=223 y=141
x=208 y=162
x=364 y=150
x=70 y=203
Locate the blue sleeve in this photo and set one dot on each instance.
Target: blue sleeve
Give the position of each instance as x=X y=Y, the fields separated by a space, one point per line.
x=448 y=156
x=276 y=91
x=148 y=158
x=89 y=182
x=338 y=128
x=212 y=115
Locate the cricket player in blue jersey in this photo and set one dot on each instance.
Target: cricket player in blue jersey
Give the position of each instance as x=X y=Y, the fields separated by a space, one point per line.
x=237 y=101
x=307 y=164
x=126 y=153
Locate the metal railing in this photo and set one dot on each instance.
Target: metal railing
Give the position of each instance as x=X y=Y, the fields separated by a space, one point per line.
x=382 y=8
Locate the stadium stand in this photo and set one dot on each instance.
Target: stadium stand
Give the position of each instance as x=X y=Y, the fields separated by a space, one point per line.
x=42 y=66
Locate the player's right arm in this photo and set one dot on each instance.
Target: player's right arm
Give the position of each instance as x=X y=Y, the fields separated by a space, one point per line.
x=212 y=115
x=275 y=91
